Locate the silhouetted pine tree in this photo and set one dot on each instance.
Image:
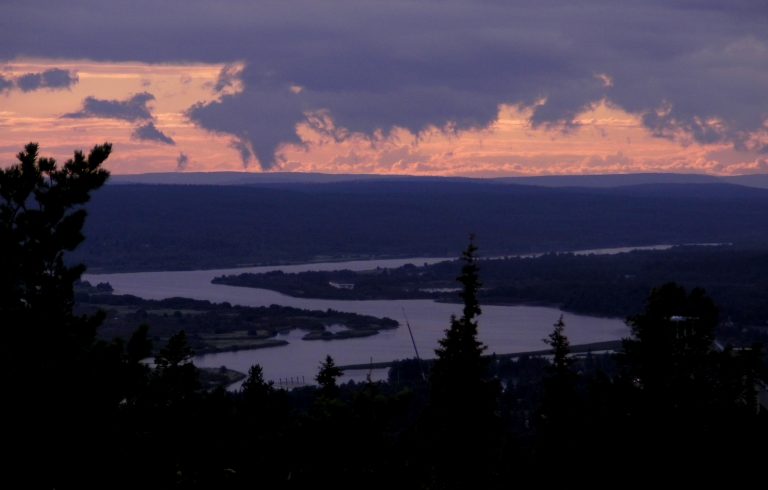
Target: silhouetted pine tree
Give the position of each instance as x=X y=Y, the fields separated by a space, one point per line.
x=685 y=397
x=558 y=417
x=41 y=218
x=561 y=348
x=327 y=377
x=255 y=388
x=49 y=368
x=462 y=424
x=175 y=378
x=669 y=355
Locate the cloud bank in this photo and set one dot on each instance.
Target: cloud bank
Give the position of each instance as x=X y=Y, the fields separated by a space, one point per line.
x=55 y=79
x=691 y=70
x=51 y=79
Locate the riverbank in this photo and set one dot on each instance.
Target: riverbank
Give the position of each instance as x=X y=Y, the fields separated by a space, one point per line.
x=220 y=327
x=593 y=347
x=502 y=328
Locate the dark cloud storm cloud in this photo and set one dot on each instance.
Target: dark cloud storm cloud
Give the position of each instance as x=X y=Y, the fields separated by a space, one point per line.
x=133 y=109
x=261 y=118
x=697 y=67
x=149 y=132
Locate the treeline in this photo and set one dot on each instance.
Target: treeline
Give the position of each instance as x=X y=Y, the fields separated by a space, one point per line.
x=735 y=277
x=167 y=227
x=401 y=283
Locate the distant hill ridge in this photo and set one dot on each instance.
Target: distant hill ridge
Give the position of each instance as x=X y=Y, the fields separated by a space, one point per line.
x=592 y=181
x=163 y=227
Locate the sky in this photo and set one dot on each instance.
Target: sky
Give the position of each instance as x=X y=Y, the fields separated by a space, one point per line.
x=432 y=87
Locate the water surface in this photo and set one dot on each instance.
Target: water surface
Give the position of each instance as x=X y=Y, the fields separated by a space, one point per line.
x=503 y=329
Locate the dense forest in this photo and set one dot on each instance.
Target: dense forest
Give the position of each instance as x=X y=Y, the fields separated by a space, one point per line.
x=167 y=227
x=83 y=412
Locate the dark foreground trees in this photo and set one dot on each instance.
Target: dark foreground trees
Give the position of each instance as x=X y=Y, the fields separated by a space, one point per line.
x=47 y=353
x=41 y=218
x=70 y=401
x=682 y=388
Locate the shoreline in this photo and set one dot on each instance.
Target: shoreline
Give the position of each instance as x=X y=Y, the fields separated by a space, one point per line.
x=608 y=345
x=98 y=271
x=608 y=250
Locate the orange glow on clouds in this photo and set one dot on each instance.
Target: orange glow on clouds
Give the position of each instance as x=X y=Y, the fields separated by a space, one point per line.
x=606 y=140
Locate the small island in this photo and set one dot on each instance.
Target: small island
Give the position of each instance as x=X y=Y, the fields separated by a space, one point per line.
x=406 y=282
x=217 y=327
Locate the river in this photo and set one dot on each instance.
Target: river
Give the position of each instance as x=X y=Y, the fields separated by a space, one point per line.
x=503 y=329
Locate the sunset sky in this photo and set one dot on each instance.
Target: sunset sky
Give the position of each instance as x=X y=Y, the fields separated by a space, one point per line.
x=450 y=87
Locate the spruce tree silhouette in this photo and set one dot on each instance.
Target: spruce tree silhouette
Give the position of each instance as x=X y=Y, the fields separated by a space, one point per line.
x=689 y=399
x=255 y=388
x=557 y=422
x=461 y=416
x=327 y=377
x=176 y=379
x=669 y=355
x=460 y=368
x=561 y=348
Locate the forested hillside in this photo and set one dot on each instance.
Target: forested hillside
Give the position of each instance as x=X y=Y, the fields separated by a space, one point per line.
x=160 y=227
